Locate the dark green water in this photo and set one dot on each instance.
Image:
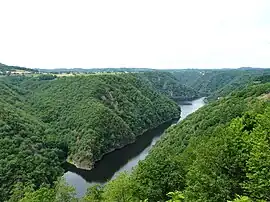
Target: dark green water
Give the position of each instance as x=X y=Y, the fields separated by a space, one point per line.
x=123 y=159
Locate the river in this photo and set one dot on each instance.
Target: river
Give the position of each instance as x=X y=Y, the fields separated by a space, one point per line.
x=123 y=159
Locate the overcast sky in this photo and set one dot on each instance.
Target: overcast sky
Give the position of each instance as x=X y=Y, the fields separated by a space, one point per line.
x=138 y=33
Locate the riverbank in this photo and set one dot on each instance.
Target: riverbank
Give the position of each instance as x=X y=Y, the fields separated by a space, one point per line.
x=123 y=159
x=123 y=146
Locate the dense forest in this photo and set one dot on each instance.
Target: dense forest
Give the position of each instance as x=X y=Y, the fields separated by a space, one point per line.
x=218 y=83
x=167 y=84
x=97 y=113
x=219 y=153
x=46 y=120
x=26 y=155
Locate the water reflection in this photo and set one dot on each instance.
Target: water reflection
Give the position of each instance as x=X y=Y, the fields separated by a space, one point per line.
x=123 y=159
x=114 y=161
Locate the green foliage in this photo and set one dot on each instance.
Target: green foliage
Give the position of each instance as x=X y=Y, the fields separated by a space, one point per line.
x=257 y=183
x=245 y=199
x=242 y=199
x=59 y=193
x=215 y=154
x=46 y=77
x=25 y=156
x=44 y=121
x=43 y=194
x=94 y=194
x=64 y=192
x=95 y=114
x=119 y=190
x=176 y=196
x=19 y=190
x=219 y=83
x=167 y=84
x=219 y=151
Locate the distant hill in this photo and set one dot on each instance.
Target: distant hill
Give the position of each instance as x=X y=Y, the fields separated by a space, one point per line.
x=167 y=84
x=216 y=83
x=95 y=70
x=4 y=69
x=250 y=68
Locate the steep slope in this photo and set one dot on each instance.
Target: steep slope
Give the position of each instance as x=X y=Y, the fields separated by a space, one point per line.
x=25 y=155
x=95 y=114
x=219 y=152
x=167 y=84
x=216 y=153
x=44 y=120
x=217 y=83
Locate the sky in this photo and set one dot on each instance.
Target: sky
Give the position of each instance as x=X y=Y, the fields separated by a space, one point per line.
x=157 y=34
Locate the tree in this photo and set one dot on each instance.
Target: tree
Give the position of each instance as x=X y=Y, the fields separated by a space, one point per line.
x=94 y=194
x=119 y=189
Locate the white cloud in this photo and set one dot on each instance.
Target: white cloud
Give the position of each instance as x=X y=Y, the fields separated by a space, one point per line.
x=141 y=33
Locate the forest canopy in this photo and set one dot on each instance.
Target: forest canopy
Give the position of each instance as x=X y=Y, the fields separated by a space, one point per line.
x=218 y=153
x=46 y=120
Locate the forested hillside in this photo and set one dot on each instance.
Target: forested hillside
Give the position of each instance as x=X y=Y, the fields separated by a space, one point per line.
x=25 y=155
x=167 y=84
x=218 y=83
x=95 y=114
x=217 y=153
x=45 y=120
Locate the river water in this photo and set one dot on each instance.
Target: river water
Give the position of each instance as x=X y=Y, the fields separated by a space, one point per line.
x=123 y=159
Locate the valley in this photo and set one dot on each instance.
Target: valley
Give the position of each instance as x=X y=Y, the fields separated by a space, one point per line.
x=102 y=129
x=124 y=159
